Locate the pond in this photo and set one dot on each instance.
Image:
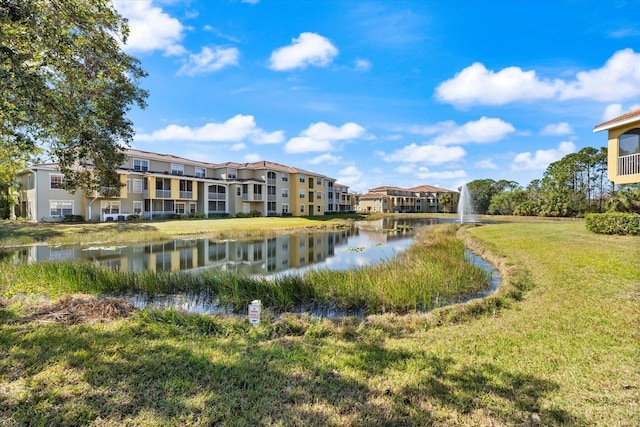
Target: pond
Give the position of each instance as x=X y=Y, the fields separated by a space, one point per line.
x=359 y=245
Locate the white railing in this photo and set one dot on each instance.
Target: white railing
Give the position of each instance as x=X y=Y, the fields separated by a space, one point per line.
x=163 y=194
x=186 y=194
x=217 y=196
x=629 y=165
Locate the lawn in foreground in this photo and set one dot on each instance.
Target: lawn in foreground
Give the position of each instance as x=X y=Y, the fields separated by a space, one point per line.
x=566 y=353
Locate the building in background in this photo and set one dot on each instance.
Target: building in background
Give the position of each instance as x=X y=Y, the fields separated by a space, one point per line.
x=158 y=186
x=420 y=199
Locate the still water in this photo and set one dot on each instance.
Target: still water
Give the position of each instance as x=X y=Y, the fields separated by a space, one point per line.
x=362 y=244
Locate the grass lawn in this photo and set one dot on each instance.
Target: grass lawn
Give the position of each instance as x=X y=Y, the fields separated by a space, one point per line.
x=14 y=233
x=566 y=353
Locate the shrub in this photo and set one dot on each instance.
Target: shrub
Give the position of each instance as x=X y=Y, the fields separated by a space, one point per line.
x=73 y=218
x=218 y=215
x=613 y=223
x=134 y=217
x=252 y=214
x=196 y=215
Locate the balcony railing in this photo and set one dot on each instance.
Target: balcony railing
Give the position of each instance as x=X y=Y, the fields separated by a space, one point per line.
x=629 y=165
x=217 y=196
x=271 y=181
x=163 y=194
x=252 y=197
x=271 y=197
x=186 y=194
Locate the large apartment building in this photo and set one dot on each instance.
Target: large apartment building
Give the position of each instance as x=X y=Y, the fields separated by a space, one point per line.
x=623 y=147
x=423 y=198
x=158 y=185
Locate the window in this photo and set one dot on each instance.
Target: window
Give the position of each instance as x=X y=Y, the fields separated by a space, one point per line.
x=629 y=143
x=232 y=174
x=330 y=184
x=56 y=181
x=60 y=207
x=140 y=165
x=177 y=169
x=180 y=208
x=201 y=173
x=302 y=178
x=285 y=193
x=319 y=181
x=301 y=208
x=238 y=191
x=319 y=195
x=192 y=207
x=285 y=208
x=110 y=207
x=302 y=194
x=318 y=209
x=285 y=178
x=137 y=207
x=137 y=185
x=311 y=196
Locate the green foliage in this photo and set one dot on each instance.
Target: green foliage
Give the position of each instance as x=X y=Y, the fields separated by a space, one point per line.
x=66 y=83
x=613 y=223
x=252 y=214
x=627 y=200
x=506 y=202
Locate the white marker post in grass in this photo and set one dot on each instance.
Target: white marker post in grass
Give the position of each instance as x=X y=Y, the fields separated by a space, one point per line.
x=254 y=312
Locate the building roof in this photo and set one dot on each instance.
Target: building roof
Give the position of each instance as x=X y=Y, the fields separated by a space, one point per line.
x=131 y=152
x=622 y=120
x=371 y=196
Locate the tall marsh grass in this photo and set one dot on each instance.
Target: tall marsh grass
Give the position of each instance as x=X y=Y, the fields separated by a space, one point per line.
x=433 y=270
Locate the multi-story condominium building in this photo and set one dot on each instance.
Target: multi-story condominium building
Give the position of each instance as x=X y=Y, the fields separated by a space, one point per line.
x=157 y=185
x=424 y=198
x=623 y=148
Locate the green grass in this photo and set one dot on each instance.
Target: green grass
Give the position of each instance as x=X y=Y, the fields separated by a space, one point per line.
x=559 y=342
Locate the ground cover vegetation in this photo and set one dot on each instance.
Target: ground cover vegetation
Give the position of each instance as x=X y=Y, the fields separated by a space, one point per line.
x=17 y=233
x=431 y=272
x=556 y=345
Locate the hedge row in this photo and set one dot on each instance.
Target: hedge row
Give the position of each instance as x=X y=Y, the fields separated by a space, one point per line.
x=613 y=223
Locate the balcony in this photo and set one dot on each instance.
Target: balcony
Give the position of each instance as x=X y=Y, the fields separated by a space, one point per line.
x=629 y=165
x=217 y=196
x=163 y=194
x=271 y=197
x=252 y=197
x=186 y=194
x=271 y=181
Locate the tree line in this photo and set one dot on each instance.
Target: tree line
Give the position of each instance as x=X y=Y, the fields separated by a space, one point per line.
x=573 y=186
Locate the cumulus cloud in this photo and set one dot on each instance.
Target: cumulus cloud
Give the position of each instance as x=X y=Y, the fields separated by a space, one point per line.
x=325 y=159
x=486 y=164
x=618 y=78
x=477 y=85
x=485 y=129
x=307 y=49
x=210 y=60
x=363 y=65
x=428 y=154
x=557 y=129
x=237 y=129
x=150 y=28
x=425 y=173
x=323 y=137
x=615 y=110
x=351 y=176
x=542 y=158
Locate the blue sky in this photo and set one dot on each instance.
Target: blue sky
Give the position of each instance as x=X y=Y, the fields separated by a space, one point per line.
x=384 y=93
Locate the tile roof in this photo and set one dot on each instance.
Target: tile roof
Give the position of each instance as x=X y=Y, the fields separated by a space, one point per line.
x=620 y=120
x=431 y=189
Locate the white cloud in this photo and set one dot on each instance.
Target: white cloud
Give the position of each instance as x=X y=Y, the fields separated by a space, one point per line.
x=542 y=158
x=308 y=49
x=486 y=164
x=237 y=129
x=429 y=154
x=238 y=146
x=351 y=176
x=425 y=173
x=477 y=85
x=618 y=78
x=325 y=159
x=254 y=157
x=150 y=28
x=615 y=110
x=322 y=137
x=363 y=65
x=557 y=129
x=483 y=130
x=209 y=60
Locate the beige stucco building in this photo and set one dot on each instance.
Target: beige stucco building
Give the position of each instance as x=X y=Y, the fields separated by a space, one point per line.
x=159 y=185
x=423 y=198
x=623 y=147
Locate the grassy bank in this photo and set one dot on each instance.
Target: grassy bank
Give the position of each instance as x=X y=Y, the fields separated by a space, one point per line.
x=564 y=352
x=17 y=233
x=431 y=271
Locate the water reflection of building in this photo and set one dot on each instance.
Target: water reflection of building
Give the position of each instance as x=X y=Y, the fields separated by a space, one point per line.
x=258 y=256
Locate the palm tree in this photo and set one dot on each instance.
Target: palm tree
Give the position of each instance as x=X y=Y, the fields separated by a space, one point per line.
x=445 y=200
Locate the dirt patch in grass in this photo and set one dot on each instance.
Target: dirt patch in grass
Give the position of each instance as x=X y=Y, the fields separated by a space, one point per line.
x=80 y=309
